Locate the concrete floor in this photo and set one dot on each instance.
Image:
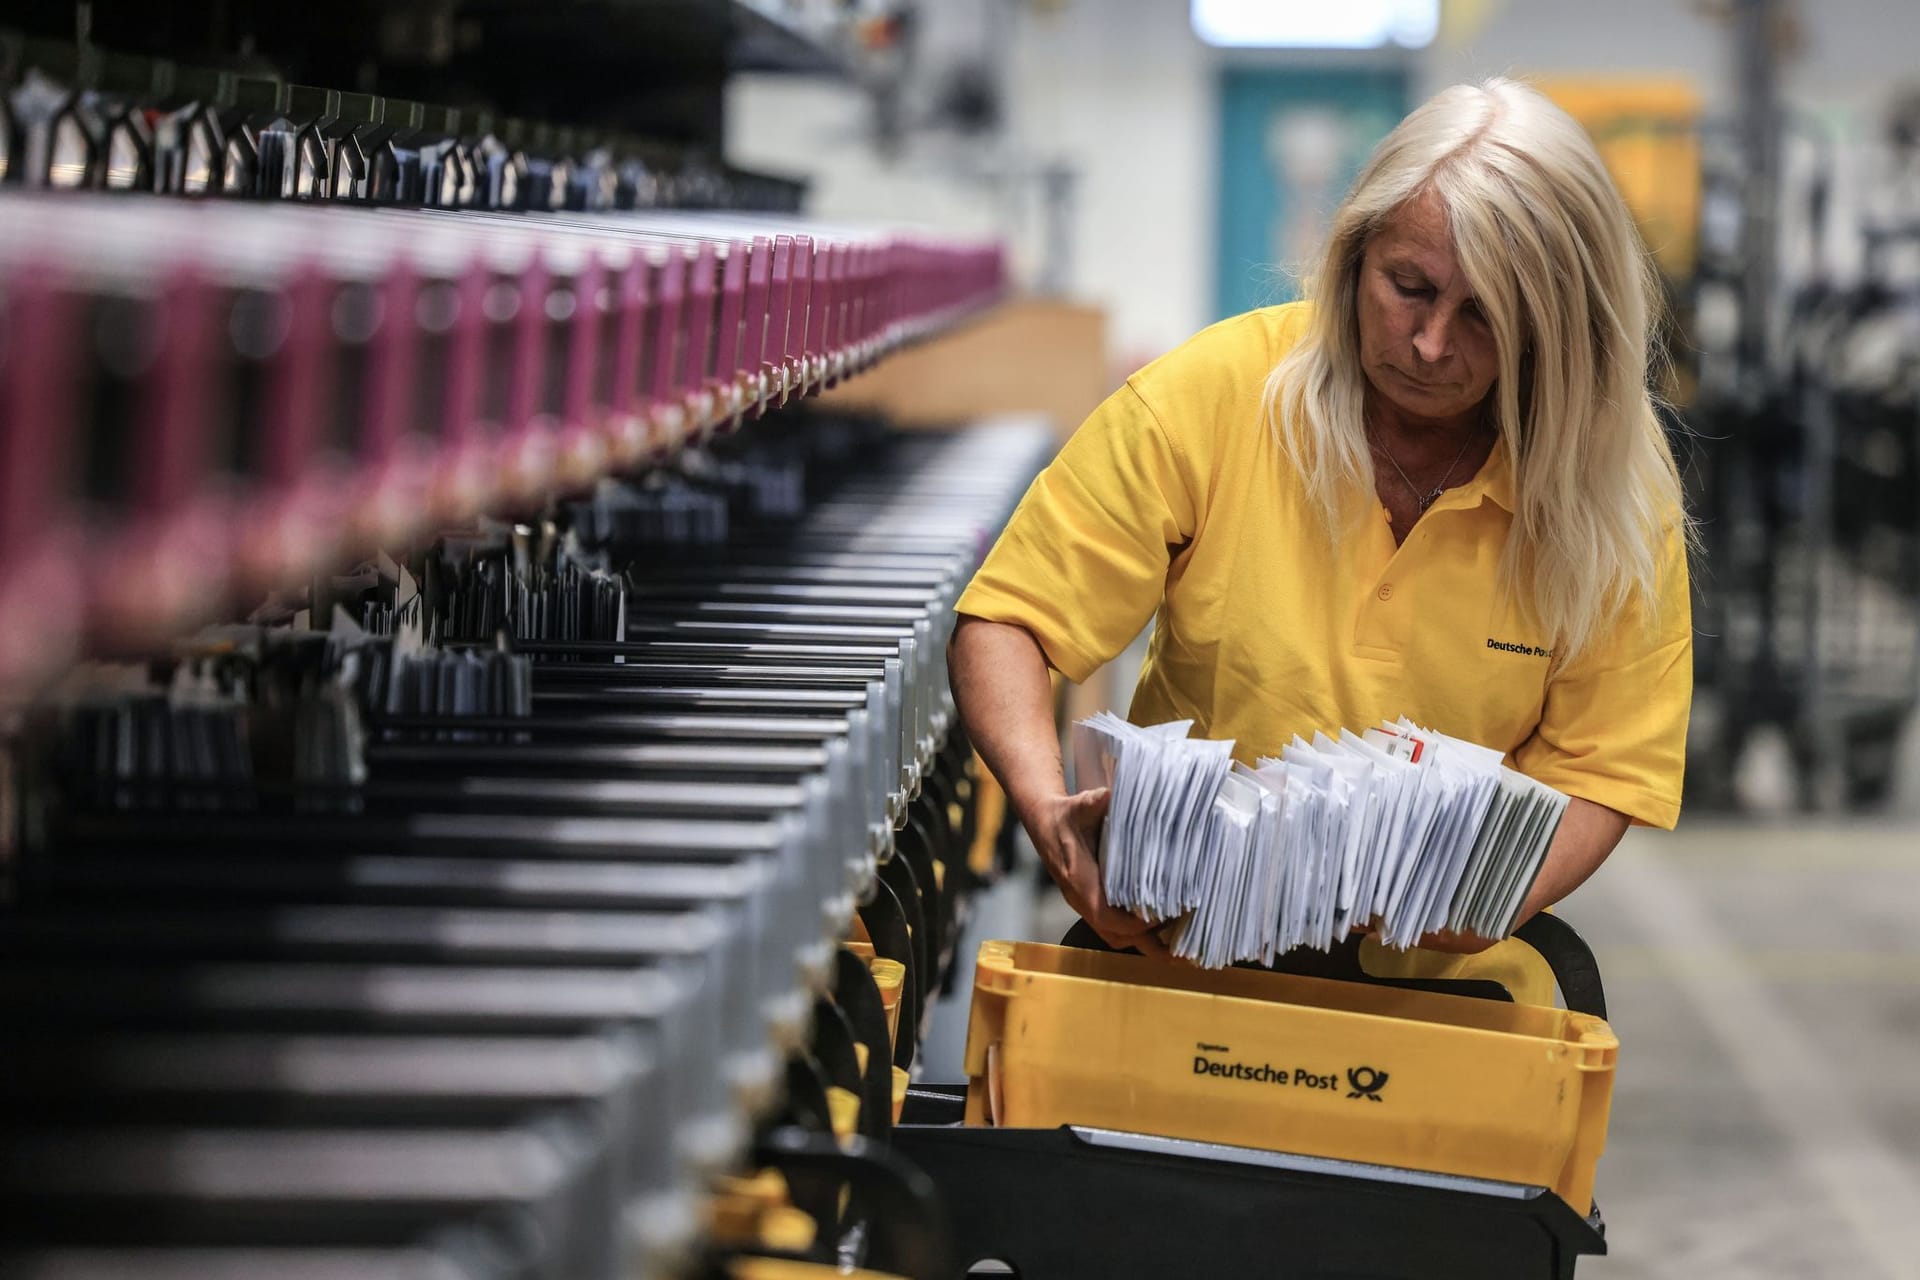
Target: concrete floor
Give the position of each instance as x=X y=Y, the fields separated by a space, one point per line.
x=1765 y=984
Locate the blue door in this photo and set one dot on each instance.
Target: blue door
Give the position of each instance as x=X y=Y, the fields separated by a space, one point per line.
x=1291 y=142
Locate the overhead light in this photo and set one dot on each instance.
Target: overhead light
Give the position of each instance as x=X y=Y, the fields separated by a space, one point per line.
x=1316 y=24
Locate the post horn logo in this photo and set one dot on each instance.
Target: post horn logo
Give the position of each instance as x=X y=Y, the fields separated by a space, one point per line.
x=1367 y=1083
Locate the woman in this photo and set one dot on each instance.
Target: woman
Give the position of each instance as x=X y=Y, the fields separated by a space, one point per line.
x=1438 y=489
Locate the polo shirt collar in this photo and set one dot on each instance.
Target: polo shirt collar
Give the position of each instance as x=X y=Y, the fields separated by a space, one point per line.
x=1494 y=482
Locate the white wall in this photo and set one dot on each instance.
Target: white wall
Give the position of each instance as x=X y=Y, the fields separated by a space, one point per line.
x=1122 y=90
x=1566 y=36
x=1845 y=54
x=1119 y=89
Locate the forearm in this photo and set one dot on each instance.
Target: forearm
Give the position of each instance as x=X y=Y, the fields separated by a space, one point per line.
x=1004 y=692
x=1587 y=834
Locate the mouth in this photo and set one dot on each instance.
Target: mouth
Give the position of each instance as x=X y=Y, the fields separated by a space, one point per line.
x=1422 y=384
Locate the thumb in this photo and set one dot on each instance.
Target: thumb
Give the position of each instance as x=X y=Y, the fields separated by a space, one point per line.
x=1091 y=805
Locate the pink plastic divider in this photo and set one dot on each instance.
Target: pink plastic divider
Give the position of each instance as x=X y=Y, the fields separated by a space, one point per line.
x=391 y=368
x=869 y=309
x=727 y=361
x=583 y=347
x=40 y=583
x=778 y=334
x=582 y=447
x=627 y=421
x=526 y=446
x=832 y=270
x=629 y=329
x=840 y=278
x=733 y=378
x=820 y=302
x=460 y=427
x=37 y=366
x=799 y=303
x=756 y=317
x=168 y=556
x=701 y=297
x=528 y=378
x=283 y=516
x=668 y=334
x=170 y=450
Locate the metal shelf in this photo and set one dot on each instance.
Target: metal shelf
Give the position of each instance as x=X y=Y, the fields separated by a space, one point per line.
x=765 y=41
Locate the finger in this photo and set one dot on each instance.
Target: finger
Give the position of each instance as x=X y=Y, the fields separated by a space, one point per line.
x=1145 y=941
x=1116 y=920
x=1090 y=806
x=1111 y=920
x=1455 y=943
x=1123 y=928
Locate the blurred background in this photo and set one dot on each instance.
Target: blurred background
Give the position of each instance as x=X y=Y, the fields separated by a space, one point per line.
x=1158 y=166
x=1146 y=167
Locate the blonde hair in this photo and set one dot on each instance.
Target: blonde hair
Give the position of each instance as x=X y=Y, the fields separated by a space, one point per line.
x=1558 y=270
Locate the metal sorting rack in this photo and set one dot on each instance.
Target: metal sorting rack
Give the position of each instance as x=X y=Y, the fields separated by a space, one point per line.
x=204 y=400
x=80 y=117
x=1806 y=459
x=507 y=1005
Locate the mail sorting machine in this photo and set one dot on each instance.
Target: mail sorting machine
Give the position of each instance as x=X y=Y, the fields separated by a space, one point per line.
x=504 y=998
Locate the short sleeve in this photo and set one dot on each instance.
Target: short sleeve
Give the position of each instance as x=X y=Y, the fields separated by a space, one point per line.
x=1083 y=562
x=1614 y=728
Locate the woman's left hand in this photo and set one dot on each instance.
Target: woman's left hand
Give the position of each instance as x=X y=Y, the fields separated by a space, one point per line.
x=1460 y=944
x=1587 y=835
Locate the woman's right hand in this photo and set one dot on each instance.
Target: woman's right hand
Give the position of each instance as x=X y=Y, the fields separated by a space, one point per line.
x=1066 y=831
x=1005 y=696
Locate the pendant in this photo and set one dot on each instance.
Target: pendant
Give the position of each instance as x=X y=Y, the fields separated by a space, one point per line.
x=1430 y=499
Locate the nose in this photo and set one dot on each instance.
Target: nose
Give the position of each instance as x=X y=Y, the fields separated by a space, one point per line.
x=1433 y=340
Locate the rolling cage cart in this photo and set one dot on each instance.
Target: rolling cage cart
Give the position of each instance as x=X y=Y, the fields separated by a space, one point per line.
x=1095 y=1199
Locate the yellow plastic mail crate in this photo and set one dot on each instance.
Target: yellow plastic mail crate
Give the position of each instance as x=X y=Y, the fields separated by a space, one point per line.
x=1448 y=1084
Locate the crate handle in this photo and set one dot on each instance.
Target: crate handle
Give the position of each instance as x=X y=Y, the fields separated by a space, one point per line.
x=995 y=1104
x=1571 y=959
x=1597 y=1048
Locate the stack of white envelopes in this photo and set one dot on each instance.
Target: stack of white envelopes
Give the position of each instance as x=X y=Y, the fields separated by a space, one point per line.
x=1401 y=828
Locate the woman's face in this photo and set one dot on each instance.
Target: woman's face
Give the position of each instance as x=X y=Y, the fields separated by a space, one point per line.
x=1426 y=348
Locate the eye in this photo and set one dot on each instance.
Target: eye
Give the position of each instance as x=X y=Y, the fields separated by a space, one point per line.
x=1411 y=288
x=1472 y=311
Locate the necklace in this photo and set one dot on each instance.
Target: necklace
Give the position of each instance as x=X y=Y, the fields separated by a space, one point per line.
x=1433 y=495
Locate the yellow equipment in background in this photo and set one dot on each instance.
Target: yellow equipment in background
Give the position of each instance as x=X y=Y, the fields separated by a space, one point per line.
x=1647 y=131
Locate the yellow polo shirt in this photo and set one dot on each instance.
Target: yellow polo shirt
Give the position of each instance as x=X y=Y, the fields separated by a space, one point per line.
x=1174 y=497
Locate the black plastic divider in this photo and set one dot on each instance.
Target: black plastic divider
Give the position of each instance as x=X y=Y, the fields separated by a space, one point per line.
x=858 y=999
x=886 y=924
x=897 y=875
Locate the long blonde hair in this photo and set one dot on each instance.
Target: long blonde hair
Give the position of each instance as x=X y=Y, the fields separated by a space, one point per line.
x=1558 y=269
